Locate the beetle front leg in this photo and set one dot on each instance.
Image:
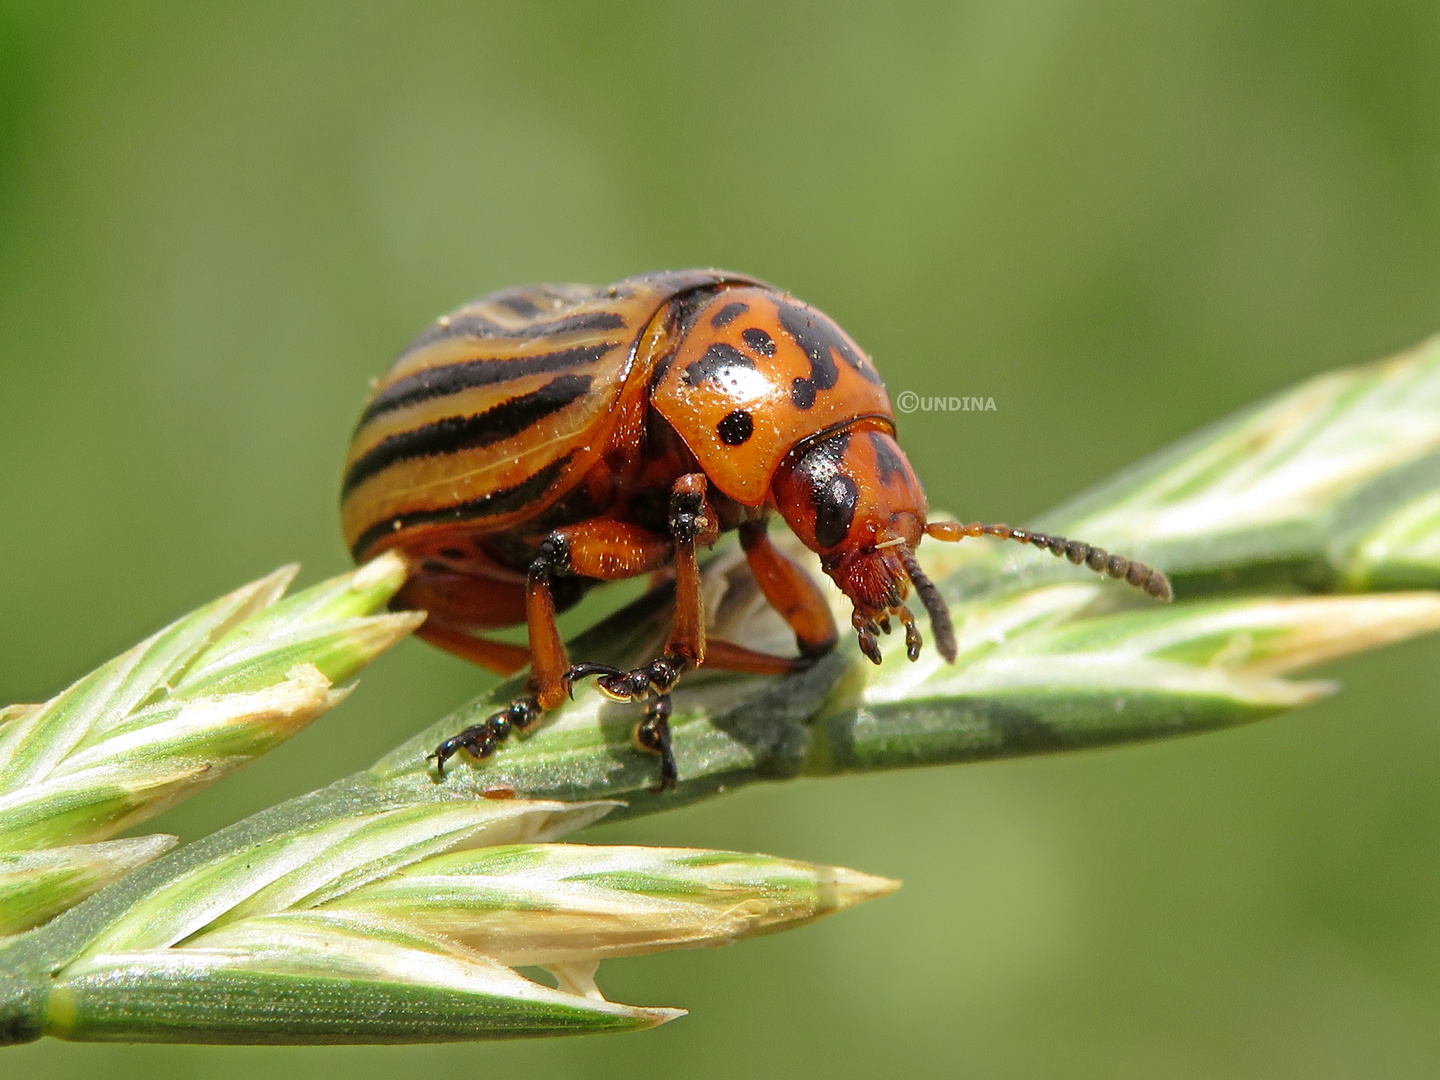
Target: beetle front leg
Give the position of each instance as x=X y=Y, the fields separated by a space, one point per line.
x=791 y=592
x=692 y=524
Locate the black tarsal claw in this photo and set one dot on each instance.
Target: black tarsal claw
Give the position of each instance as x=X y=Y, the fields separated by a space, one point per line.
x=585 y=671
x=443 y=753
x=657 y=677
x=625 y=685
x=477 y=740
x=483 y=739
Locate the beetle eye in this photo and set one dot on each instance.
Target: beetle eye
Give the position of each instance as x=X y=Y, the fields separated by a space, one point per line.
x=835 y=502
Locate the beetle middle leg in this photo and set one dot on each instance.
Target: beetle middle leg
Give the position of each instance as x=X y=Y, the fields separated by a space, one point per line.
x=601 y=548
x=692 y=524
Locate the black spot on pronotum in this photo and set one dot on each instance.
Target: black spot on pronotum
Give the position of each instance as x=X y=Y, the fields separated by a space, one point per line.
x=717 y=359
x=686 y=307
x=758 y=340
x=455 y=433
x=819 y=338
x=736 y=428
x=728 y=314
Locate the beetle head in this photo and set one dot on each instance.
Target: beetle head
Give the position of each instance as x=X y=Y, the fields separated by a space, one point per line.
x=852 y=498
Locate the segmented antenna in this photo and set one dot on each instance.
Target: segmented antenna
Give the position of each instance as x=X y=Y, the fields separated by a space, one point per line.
x=934 y=604
x=1101 y=561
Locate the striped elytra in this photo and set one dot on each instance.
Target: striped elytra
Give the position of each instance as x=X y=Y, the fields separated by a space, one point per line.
x=546 y=438
x=496 y=409
x=500 y=408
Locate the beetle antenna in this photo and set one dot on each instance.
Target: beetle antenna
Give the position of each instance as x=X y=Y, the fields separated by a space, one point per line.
x=1101 y=561
x=934 y=603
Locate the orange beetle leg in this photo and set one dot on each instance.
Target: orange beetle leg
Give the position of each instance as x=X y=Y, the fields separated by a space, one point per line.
x=549 y=668
x=601 y=548
x=791 y=592
x=498 y=656
x=610 y=550
x=548 y=659
x=692 y=523
x=728 y=656
x=549 y=665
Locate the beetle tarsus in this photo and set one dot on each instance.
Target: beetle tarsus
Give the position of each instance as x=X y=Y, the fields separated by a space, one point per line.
x=865 y=634
x=659 y=676
x=913 y=641
x=585 y=671
x=652 y=734
x=483 y=739
x=654 y=680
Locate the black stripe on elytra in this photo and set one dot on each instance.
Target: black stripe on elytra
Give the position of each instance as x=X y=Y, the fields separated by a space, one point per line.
x=818 y=337
x=519 y=303
x=456 y=433
x=477 y=326
x=887 y=458
x=661 y=367
x=717 y=358
x=467 y=374
x=504 y=501
x=727 y=314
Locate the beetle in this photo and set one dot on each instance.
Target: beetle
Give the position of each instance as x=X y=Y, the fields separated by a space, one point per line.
x=543 y=439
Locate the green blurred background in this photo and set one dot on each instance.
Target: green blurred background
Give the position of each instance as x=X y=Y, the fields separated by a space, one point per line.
x=1119 y=220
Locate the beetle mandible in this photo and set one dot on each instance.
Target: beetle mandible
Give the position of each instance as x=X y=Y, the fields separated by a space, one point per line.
x=546 y=438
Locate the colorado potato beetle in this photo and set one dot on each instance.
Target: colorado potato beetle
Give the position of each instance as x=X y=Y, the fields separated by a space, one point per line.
x=546 y=438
